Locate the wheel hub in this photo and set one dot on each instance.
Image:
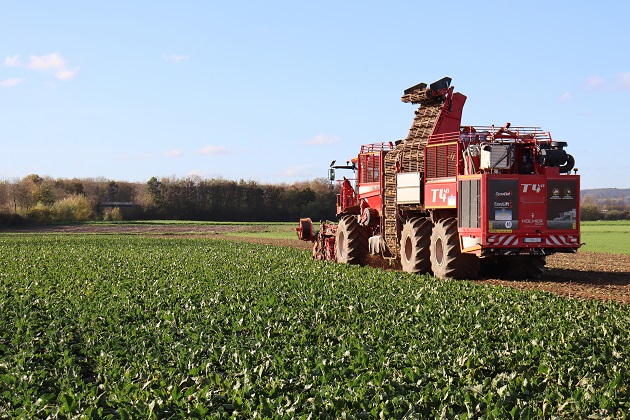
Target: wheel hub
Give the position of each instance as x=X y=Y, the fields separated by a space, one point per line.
x=408 y=249
x=439 y=251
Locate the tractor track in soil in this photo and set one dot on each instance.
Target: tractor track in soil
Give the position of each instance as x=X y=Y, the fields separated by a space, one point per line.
x=585 y=275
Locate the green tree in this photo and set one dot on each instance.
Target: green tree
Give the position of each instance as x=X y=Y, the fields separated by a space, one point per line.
x=154 y=192
x=112 y=191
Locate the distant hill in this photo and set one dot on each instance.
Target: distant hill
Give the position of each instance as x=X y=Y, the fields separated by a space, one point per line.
x=601 y=194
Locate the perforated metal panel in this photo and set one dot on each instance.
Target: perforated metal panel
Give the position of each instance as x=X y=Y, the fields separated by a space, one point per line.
x=469 y=203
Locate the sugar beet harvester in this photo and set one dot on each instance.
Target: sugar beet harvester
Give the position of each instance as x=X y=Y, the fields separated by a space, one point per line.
x=448 y=198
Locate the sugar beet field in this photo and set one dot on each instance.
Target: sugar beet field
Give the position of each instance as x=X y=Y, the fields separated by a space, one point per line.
x=123 y=326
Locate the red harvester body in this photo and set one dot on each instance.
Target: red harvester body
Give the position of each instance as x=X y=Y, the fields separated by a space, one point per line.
x=448 y=198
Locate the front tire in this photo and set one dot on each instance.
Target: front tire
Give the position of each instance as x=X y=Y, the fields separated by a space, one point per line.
x=415 y=240
x=351 y=242
x=447 y=259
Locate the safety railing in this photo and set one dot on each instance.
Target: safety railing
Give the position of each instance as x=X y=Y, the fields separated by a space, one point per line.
x=377 y=147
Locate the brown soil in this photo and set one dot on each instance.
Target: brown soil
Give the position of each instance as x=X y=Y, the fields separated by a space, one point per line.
x=585 y=275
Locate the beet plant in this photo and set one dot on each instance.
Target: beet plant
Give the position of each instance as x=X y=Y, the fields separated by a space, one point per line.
x=115 y=326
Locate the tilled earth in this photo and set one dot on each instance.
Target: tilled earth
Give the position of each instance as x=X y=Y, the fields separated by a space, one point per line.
x=585 y=275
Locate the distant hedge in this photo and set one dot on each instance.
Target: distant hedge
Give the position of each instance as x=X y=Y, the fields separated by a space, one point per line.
x=36 y=199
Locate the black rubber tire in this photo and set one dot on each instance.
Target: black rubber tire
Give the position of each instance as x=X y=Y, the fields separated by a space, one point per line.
x=351 y=242
x=447 y=260
x=526 y=267
x=415 y=240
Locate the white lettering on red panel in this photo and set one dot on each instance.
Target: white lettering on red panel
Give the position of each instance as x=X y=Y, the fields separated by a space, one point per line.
x=441 y=193
x=537 y=188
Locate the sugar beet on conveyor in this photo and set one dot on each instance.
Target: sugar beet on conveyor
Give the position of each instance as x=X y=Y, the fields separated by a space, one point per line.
x=409 y=157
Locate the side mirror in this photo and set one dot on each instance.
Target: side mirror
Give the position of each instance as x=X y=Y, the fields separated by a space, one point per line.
x=331 y=174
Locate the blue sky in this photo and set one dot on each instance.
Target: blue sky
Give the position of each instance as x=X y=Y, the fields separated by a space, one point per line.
x=274 y=91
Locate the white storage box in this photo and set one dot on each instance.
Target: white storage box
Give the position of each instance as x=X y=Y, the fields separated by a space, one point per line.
x=495 y=156
x=408 y=187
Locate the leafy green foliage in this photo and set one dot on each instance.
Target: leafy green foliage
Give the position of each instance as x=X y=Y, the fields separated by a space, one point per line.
x=132 y=327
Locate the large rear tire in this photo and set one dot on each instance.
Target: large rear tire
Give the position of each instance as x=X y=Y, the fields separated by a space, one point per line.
x=351 y=242
x=415 y=240
x=447 y=259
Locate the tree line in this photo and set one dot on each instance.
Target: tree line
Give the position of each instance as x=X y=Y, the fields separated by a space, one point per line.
x=604 y=209
x=36 y=199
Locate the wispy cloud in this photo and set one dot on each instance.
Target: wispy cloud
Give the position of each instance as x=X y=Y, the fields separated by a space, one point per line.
x=620 y=82
x=13 y=61
x=322 y=139
x=66 y=74
x=46 y=63
x=11 y=82
x=214 y=150
x=623 y=80
x=594 y=82
x=173 y=153
x=176 y=58
x=565 y=97
x=52 y=62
